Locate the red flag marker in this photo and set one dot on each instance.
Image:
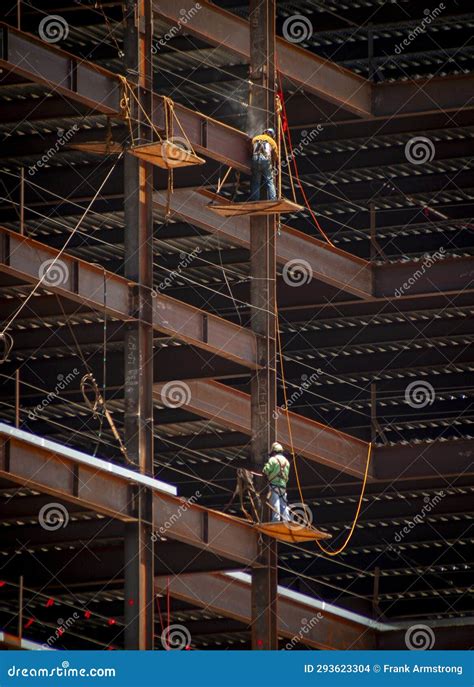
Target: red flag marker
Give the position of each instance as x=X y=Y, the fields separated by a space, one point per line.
x=50 y=602
x=29 y=623
x=87 y=615
x=112 y=621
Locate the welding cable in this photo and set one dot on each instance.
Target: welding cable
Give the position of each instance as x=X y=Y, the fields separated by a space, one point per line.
x=43 y=277
x=339 y=550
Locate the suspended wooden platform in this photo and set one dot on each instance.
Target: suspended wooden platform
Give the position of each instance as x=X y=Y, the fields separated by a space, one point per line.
x=292 y=532
x=98 y=147
x=166 y=154
x=255 y=207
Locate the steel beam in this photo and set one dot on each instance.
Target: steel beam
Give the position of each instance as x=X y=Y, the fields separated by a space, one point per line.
x=307 y=70
x=231 y=408
x=300 y=619
x=89 y=285
x=402 y=279
x=263 y=322
x=138 y=265
x=433 y=95
x=38 y=61
x=94 y=484
x=331 y=265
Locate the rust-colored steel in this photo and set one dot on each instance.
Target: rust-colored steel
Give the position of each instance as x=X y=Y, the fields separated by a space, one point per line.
x=309 y=71
x=63 y=477
x=82 y=282
x=231 y=409
x=232 y=599
x=37 y=61
x=331 y=265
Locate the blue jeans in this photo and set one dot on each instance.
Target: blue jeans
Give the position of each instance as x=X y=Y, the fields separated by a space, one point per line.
x=262 y=173
x=279 y=502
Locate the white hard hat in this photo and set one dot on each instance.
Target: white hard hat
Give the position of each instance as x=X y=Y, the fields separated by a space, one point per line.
x=276 y=447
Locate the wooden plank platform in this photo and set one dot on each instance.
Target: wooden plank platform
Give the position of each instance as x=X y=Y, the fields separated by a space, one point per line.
x=292 y=532
x=166 y=154
x=255 y=207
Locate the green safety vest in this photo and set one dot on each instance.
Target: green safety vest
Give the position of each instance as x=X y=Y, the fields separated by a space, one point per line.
x=277 y=470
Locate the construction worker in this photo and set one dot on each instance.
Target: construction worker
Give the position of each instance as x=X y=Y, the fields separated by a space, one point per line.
x=277 y=470
x=264 y=157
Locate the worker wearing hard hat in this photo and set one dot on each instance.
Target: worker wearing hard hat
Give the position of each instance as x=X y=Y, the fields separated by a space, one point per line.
x=277 y=470
x=264 y=156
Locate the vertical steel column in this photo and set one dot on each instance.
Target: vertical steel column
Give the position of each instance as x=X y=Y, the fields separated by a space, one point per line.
x=263 y=321
x=138 y=187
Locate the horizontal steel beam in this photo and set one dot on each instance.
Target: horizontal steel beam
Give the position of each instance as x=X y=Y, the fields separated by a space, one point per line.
x=106 y=488
x=300 y=619
x=331 y=265
x=89 y=285
x=231 y=408
x=444 y=93
x=425 y=276
x=36 y=60
x=307 y=70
